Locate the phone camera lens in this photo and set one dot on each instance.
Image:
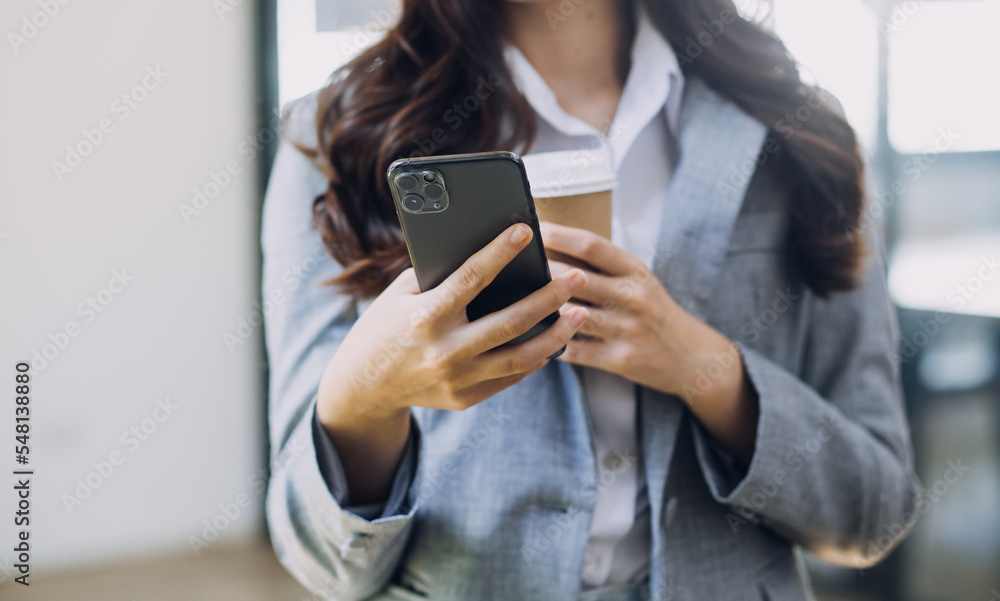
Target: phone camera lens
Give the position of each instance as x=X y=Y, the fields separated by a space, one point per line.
x=433 y=190
x=413 y=203
x=406 y=183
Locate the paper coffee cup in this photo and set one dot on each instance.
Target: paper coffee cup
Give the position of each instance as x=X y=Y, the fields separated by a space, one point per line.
x=572 y=188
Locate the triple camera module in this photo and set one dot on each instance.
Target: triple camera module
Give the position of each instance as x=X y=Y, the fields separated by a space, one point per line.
x=422 y=192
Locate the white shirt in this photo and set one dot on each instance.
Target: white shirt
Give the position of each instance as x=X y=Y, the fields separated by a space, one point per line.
x=640 y=147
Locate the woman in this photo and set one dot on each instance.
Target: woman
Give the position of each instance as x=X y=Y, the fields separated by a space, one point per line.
x=736 y=402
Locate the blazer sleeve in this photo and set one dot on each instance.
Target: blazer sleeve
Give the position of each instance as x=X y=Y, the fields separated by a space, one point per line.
x=832 y=469
x=334 y=549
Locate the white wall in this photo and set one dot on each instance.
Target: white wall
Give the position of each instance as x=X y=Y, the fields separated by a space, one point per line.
x=307 y=57
x=162 y=336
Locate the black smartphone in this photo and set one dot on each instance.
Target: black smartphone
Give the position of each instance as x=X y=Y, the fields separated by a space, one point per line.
x=451 y=206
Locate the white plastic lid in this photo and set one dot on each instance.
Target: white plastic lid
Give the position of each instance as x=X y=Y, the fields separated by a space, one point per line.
x=568 y=173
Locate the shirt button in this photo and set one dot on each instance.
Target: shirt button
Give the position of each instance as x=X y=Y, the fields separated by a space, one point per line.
x=612 y=461
x=355 y=542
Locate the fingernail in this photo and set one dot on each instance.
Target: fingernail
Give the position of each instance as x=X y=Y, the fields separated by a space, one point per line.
x=520 y=234
x=577 y=319
x=578 y=280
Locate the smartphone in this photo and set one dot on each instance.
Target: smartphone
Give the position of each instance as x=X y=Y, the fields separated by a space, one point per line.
x=451 y=206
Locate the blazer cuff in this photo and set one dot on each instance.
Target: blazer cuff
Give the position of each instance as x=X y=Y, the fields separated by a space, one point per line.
x=722 y=472
x=334 y=551
x=332 y=470
x=788 y=423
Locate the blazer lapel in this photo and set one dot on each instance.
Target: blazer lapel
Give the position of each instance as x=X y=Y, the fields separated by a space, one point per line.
x=718 y=145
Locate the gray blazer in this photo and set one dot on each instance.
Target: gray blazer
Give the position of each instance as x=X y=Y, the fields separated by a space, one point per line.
x=502 y=494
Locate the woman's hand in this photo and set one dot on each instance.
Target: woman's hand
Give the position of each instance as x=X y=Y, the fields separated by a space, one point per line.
x=640 y=333
x=412 y=349
x=419 y=349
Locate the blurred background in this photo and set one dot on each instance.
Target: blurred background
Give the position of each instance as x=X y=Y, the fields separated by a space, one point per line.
x=138 y=141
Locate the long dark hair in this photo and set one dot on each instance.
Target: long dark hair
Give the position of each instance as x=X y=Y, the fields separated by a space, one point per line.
x=411 y=93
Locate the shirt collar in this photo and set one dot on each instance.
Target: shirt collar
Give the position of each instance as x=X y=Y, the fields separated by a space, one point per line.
x=654 y=82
